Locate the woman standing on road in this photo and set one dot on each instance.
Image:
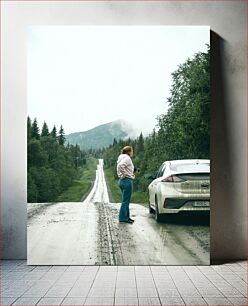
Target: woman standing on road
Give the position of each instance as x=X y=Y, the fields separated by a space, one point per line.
x=125 y=172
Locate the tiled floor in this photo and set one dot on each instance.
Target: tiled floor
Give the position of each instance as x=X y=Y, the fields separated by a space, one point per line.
x=124 y=285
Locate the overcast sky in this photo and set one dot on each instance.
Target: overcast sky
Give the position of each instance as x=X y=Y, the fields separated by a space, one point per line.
x=84 y=76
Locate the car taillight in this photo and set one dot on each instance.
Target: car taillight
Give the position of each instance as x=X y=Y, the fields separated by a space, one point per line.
x=172 y=179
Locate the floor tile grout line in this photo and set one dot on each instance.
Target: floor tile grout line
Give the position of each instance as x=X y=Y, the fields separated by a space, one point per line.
x=195 y=285
x=236 y=304
x=115 y=285
x=155 y=285
x=213 y=283
x=53 y=284
x=45 y=292
x=14 y=301
x=204 y=298
x=73 y=283
x=26 y=290
x=175 y=283
x=97 y=271
x=231 y=284
x=236 y=274
x=136 y=285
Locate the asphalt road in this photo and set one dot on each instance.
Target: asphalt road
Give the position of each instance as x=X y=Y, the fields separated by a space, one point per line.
x=88 y=233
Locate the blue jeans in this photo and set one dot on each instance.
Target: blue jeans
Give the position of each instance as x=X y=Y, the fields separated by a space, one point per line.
x=126 y=186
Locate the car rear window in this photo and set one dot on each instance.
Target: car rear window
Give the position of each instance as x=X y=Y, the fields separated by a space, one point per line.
x=190 y=167
x=194 y=176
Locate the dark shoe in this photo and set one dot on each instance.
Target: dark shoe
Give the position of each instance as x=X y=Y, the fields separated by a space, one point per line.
x=128 y=221
x=131 y=220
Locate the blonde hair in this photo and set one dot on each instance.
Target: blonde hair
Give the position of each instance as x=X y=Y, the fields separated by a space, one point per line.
x=126 y=150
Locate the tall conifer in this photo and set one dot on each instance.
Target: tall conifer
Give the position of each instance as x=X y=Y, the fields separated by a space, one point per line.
x=44 y=131
x=61 y=136
x=35 y=132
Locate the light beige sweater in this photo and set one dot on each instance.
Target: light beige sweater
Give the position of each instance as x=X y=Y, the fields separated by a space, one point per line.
x=125 y=166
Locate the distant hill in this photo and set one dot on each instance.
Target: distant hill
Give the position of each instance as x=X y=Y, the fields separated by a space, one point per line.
x=102 y=135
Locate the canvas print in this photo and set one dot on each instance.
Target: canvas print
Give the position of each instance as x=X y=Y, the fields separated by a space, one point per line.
x=118 y=159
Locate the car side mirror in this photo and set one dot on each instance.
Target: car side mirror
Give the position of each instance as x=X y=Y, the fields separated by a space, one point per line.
x=149 y=176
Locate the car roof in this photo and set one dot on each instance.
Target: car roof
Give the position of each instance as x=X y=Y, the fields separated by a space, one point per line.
x=189 y=165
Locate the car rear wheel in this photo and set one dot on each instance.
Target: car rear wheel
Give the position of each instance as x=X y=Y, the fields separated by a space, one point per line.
x=158 y=216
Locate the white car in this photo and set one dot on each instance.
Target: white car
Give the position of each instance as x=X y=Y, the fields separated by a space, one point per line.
x=180 y=185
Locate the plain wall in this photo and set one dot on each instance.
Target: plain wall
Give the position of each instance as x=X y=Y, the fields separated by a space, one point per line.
x=227 y=20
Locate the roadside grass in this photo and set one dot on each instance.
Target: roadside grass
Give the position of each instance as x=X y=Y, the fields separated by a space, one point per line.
x=140 y=197
x=82 y=186
x=113 y=186
x=137 y=196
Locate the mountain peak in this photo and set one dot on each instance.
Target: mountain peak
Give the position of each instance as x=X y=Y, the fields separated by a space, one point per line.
x=102 y=135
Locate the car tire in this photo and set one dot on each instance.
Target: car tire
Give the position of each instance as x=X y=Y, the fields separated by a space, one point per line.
x=158 y=216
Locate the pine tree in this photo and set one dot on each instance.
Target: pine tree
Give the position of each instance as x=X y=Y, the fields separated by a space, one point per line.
x=44 y=131
x=35 y=132
x=54 y=132
x=61 y=136
x=114 y=142
x=140 y=144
